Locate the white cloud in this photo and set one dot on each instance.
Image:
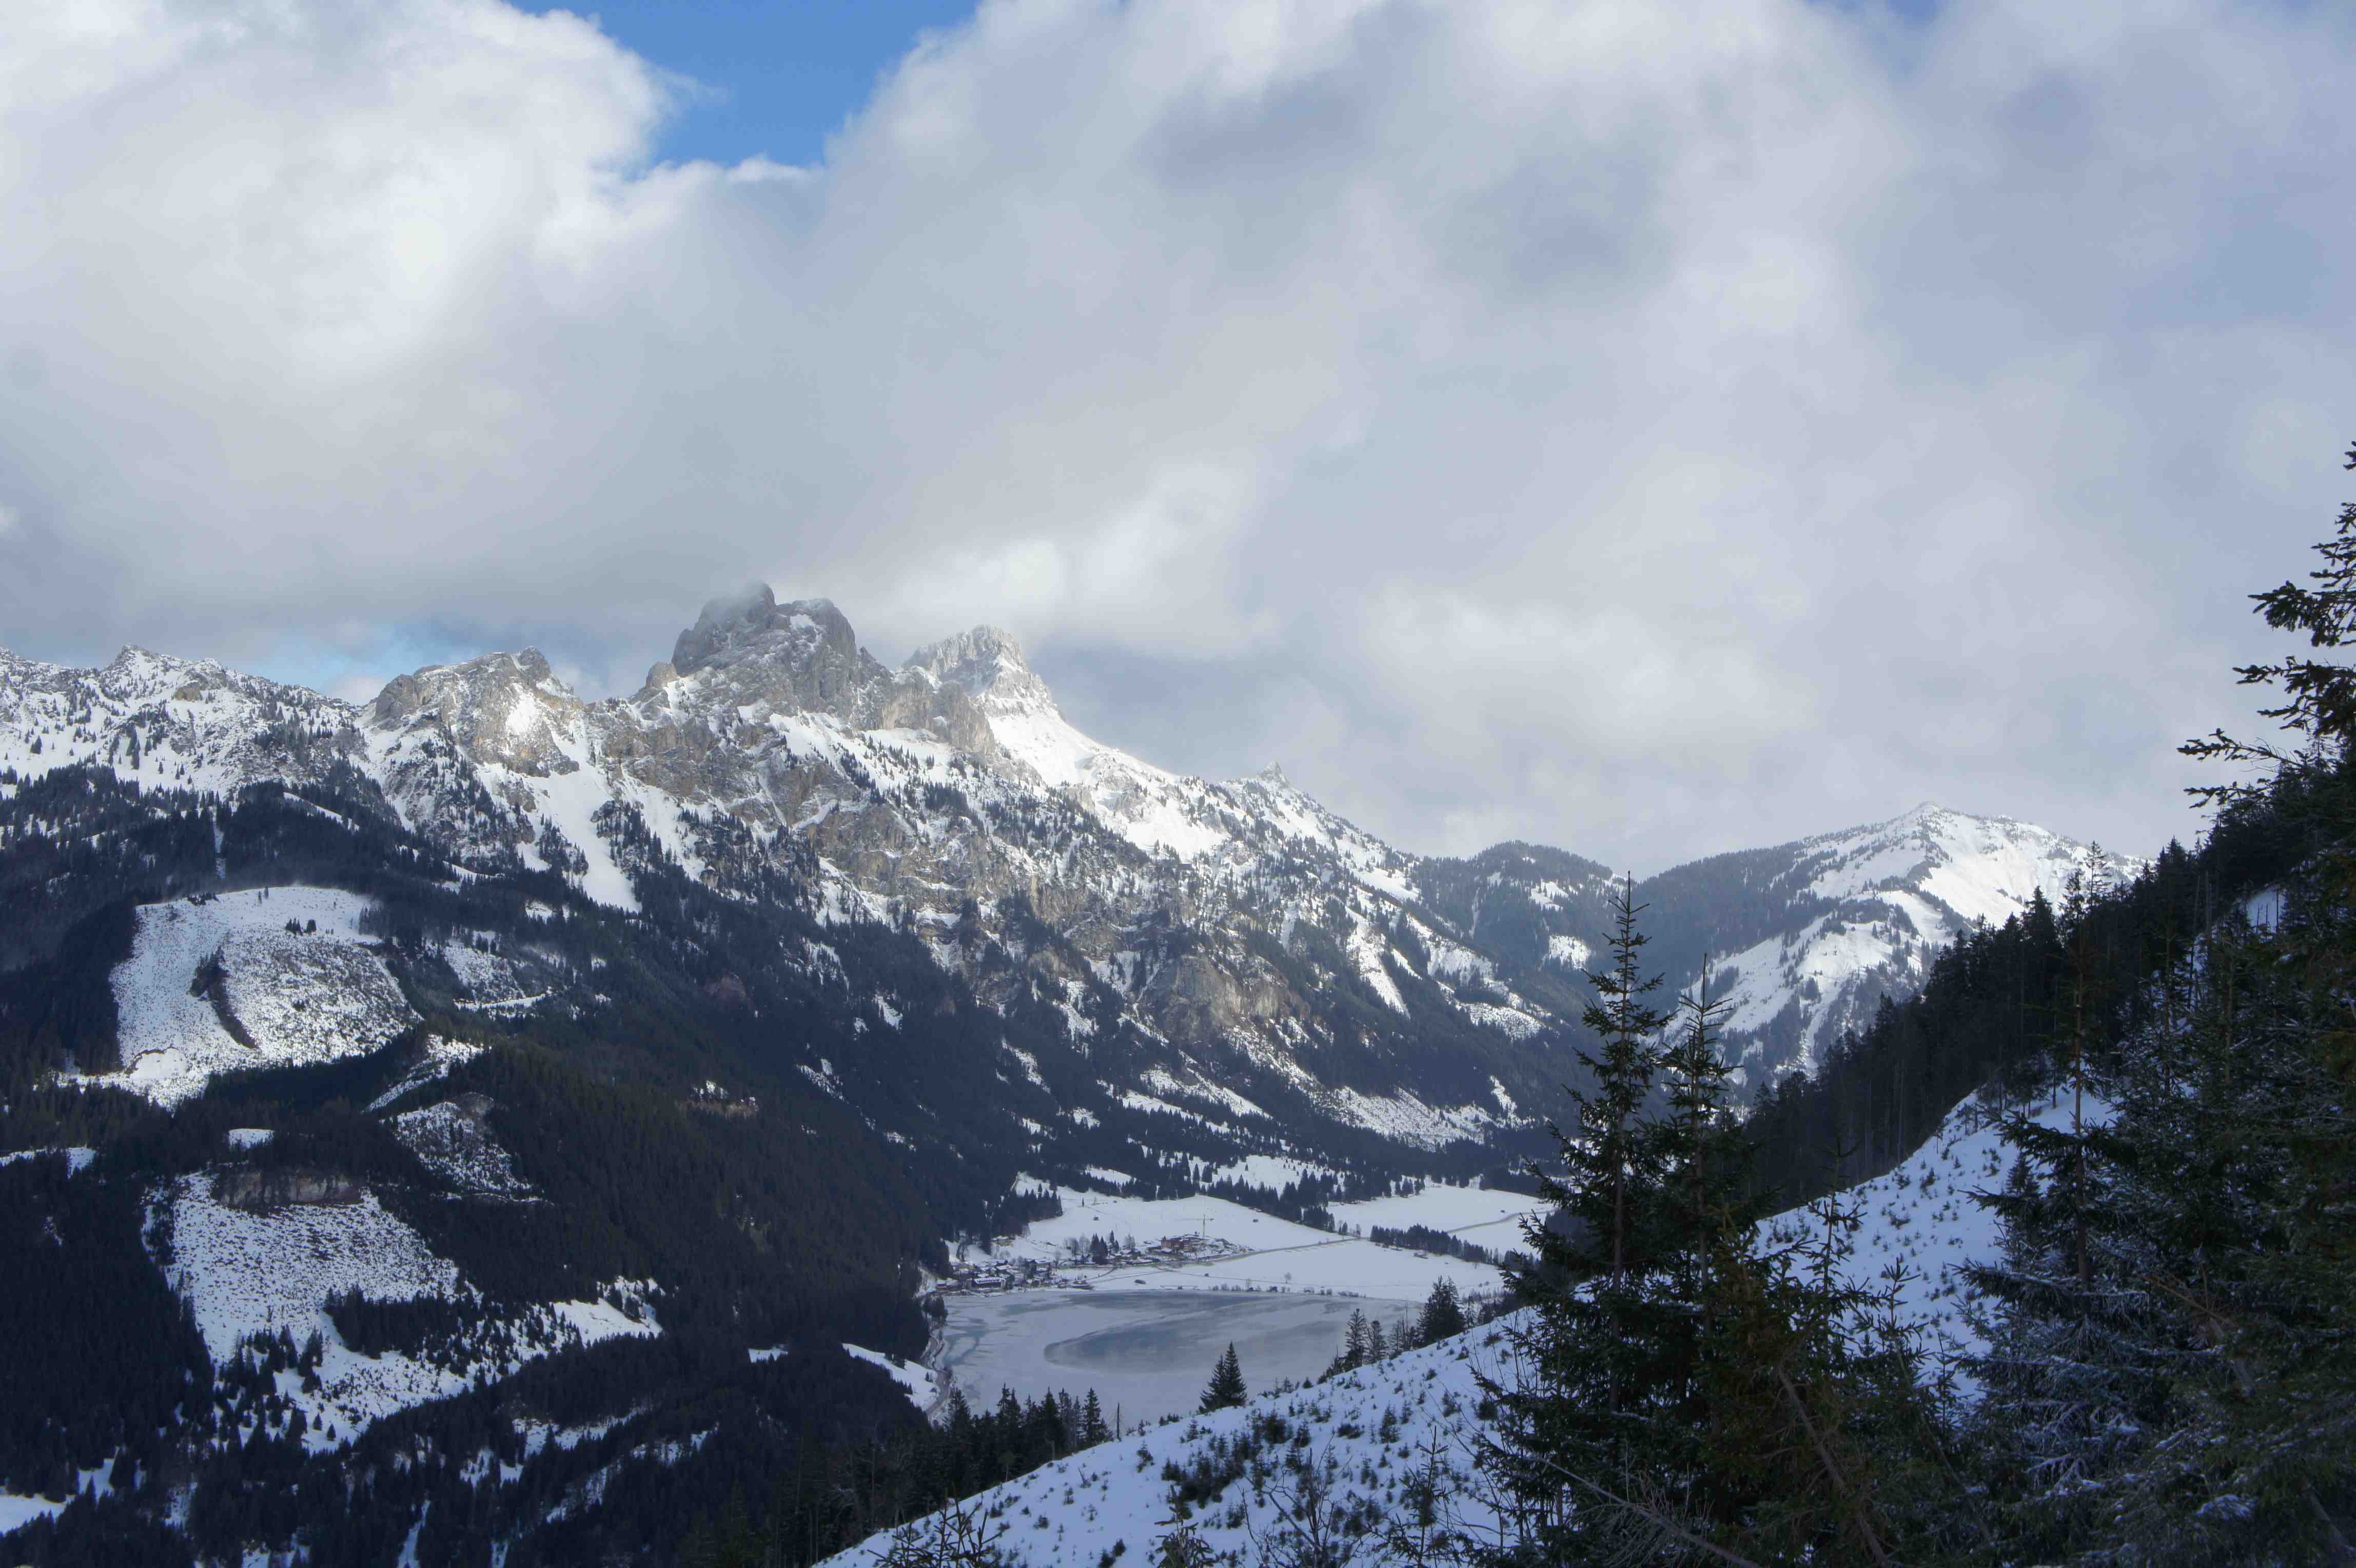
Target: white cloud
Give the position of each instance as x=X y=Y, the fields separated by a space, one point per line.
x=1649 y=429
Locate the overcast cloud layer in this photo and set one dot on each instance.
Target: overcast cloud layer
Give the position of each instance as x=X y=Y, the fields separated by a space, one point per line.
x=1651 y=429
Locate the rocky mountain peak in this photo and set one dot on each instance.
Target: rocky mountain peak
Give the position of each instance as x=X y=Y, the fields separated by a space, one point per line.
x=988 y=665
x=506 y=709
x=134 y=665
x=752 y=624
x=800 y=656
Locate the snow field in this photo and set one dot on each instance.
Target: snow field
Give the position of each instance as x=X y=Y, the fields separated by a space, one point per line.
x=1491 y=1218
x=924 y=1388
x=440 y=1055
x=245 y=1273
x=491 y=980
x=1407 y=1118
x=77 y=1158
x=451 y=1141
x=18 y=1512
x=1275 y=1172
x=313 y=997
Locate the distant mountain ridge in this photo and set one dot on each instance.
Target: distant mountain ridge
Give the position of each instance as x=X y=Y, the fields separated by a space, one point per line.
x=1265 y=966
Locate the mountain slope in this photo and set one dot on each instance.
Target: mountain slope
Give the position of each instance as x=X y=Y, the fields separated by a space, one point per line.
x=1803 y=940
x=1232 y=952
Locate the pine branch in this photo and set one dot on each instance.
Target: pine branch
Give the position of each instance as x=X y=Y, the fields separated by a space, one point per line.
x=1660 y=1522
x=1833 y=1471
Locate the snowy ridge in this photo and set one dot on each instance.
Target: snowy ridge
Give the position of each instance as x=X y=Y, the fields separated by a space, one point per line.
x=1894 y=895
x=774 y=757
x=1921 y=1217
x=1370 y=1433
x=168 y=723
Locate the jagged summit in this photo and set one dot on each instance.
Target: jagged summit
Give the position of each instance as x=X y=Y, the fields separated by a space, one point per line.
x=752 y=624
x=988 y=665
x=508 y=710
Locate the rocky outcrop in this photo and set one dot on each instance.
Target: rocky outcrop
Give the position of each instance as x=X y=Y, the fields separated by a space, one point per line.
x=281 y=1186
x=505 y=709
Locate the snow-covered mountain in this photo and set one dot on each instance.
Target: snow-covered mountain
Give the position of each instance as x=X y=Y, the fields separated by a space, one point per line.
x=1879 y=903
x=1232 y=952
x=1802 y=941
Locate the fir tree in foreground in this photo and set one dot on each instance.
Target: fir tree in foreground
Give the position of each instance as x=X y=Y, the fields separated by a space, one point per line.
x=1683 y=1389
x=2173 y=1370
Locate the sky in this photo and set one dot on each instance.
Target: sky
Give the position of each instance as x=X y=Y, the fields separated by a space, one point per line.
x=1648 y=430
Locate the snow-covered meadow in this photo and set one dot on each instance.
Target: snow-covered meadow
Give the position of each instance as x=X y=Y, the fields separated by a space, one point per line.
x=300 y=996
x=248 y=1271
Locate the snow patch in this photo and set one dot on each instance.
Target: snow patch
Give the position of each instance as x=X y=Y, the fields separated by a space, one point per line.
x=299 y=997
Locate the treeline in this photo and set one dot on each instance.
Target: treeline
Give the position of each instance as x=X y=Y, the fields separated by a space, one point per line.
x=798 y=1517
x=1424 y=1239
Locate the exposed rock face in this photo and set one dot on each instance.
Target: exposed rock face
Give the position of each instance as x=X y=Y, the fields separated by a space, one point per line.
x=281 y=1187
x=988 y=666
x=505 y=709
x=800 y=656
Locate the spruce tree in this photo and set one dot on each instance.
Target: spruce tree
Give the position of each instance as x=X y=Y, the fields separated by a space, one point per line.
x=1584 y=1421
x=2174 y=1319
x=1226 y=1386
x=1611 y=1160
x=1352 y=1354
x=1683 y=1390
x=1707 y=1192
x=1443 y=1314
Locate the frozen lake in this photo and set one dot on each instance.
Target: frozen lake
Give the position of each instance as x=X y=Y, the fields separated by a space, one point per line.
x=1148 y=1352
